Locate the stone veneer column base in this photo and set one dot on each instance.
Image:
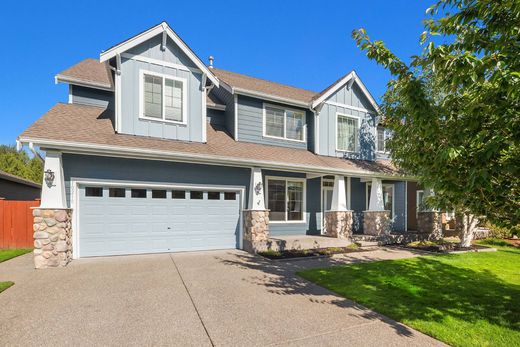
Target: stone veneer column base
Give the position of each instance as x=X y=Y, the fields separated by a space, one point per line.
x=430 y=223
x=52 y=237
x=338 y=224
x=376 y=222
x=256 y=229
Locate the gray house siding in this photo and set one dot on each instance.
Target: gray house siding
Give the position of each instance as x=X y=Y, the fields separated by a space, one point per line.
x=216 y=117
x=130 y=93
x=250 y=123
x=17 y=191
x=229 y=100
x=92 y=97
x=327 y=124
x=94 y=167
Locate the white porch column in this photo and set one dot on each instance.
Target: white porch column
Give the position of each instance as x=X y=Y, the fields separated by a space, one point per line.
x=376 y=196
x=339 y=196
x=53 y=186
x=256 y=191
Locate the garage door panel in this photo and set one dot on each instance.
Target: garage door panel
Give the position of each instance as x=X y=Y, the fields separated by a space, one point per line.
x=126 y=225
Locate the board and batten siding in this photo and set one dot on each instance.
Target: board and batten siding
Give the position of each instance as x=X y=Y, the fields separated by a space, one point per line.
x=327 y=123
x=250 y=123
x=131 y=89
x=91 y=97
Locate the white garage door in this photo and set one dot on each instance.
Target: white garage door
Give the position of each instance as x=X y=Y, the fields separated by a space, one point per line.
x=124 y=220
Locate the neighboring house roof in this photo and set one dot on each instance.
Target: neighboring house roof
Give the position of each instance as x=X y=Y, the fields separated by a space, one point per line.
x=166 y=30
x=261 y=87
x=88 y=72
x=9 y=177
x=88 y=129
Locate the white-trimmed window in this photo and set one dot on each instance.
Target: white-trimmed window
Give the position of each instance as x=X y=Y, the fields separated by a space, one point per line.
x=284 y=123
x=381 y=139
x=347 y=133
x=388 y=197
x=163 y=97
x=285 y=199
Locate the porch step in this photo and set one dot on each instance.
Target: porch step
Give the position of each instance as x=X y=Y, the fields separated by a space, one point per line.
x=367 y=244
x=302 y=242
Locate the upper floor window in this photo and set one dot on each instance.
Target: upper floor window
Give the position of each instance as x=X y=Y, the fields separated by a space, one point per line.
x=163 y=97
x=284 y=123
x=381 y=139
x=347 y=133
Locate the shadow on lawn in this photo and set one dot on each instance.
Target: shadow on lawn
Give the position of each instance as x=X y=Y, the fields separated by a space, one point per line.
x=413 y=289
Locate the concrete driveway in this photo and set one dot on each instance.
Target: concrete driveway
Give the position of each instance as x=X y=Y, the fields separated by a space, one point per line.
x=221 y=298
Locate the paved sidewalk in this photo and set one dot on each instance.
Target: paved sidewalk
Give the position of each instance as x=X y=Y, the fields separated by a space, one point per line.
x=222 y=298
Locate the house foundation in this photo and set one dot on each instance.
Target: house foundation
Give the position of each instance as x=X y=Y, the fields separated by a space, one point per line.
x=52 y=237
x=376 y=223
x=256 y=229
x=430 y=223
x=338 y=224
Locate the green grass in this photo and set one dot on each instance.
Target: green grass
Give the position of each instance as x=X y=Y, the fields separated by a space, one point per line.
x=470 y=299
x=6 y=254
x=5 y=285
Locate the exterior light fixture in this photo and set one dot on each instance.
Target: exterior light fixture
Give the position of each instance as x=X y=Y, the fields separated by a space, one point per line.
x=49 y=177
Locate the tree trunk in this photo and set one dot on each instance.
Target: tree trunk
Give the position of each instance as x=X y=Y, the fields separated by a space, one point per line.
x=466 y=224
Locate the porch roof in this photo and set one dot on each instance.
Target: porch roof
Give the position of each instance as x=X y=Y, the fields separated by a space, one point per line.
x=88 y=129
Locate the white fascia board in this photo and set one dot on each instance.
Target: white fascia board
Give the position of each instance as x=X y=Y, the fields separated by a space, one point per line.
x=367 y=94
x=269 y=97
x=148 y=34
x=334 y=89
x=76 y=82
x=216 y=107
x=152 y=154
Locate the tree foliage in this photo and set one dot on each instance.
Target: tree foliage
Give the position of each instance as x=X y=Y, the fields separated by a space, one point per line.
x=19 y=164
x=455 y=108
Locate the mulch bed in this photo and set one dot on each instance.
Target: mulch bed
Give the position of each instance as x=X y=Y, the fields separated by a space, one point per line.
x=449 y=248
x=514 y=242
x=317 y=252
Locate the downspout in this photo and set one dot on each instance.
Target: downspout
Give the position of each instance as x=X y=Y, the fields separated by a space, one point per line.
x=35 y=152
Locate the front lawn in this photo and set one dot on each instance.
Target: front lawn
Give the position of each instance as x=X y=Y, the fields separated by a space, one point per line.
x=6 y=254
x=470 y=299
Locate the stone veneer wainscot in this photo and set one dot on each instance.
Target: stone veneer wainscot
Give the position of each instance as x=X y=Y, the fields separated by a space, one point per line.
x=256 y=229
x=52 y=237
x=338 y=224
x=376 y=222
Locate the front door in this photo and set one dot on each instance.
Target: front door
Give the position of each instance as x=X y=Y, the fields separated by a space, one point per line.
x=326 y=200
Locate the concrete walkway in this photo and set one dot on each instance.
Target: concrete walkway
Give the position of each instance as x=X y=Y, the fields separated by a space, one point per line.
x=221 y=298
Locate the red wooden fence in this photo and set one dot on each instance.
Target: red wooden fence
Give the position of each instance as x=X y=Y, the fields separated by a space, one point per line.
x=16 y=223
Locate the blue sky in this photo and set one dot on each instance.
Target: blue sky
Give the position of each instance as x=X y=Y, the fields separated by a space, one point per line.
x=302 y=43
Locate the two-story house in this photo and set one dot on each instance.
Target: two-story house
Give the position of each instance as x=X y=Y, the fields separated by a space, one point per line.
x=157 y=152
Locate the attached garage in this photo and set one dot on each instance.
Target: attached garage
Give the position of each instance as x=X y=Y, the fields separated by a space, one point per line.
x=123 y=219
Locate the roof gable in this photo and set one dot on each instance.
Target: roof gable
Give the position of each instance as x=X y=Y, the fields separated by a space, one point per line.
x=162 y=28
x=349 y=79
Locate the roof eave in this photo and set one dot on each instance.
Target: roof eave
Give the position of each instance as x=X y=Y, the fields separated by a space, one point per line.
x=151 y=154
x=270 y=97
x=83 y=83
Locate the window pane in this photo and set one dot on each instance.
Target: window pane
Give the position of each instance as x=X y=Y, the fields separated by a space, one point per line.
x=173 y=100
x=295 y=200
x=196 y=195
x=230 y=196
x=213 y=195
x=388 y=193
x=348 y=130
x=178 y=194
x=277 y=200
x=152 y=96
x=94 y=191
x=138 y=193
x=158 y=194
x=294 y=125
x=116 y=192
x=274 y=122
x=381 y=140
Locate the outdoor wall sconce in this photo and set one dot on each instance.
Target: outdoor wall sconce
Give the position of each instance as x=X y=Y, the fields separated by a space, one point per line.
x=49 y=177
